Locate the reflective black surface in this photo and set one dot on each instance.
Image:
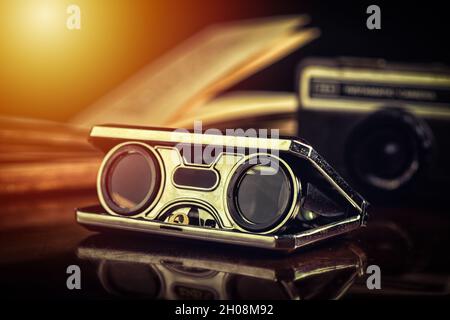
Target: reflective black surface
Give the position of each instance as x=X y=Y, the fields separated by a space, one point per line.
x=409 y=245
x=158 y=269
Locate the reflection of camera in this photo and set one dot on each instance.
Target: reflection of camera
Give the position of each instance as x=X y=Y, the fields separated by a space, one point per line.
x=162 y=270
x=281 y=198
x=385 y=127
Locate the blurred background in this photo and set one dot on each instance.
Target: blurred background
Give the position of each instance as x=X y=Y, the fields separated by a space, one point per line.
x=50 y=72
x=155 y=62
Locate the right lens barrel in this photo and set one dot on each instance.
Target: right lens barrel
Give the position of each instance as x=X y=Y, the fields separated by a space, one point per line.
x=388 y=150
x=260 y=194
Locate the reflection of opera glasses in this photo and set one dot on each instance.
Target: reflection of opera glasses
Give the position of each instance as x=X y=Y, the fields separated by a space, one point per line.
x=161 y=270
x=282 y=198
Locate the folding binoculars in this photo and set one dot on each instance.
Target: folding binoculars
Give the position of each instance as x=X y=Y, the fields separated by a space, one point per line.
x=258 y=191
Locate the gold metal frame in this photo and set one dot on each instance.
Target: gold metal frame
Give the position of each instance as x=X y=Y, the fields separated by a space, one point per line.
x=162 y=143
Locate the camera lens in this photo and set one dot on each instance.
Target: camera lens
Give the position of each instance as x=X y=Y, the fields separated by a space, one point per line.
x=395 y=150
x=388 y=149
x=260 y=194
x=130 y=179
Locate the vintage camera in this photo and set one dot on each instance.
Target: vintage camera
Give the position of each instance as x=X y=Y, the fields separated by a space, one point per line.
x=385 y=127
x=268 y=192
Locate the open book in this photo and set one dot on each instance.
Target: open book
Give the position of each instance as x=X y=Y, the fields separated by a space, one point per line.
x=39 y=156
x=246 y=109
x=183 y=83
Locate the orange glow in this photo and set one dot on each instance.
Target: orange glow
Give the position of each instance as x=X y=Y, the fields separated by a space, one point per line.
x=49 y=71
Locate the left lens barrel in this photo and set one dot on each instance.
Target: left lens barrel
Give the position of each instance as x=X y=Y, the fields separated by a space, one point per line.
x=129 y=179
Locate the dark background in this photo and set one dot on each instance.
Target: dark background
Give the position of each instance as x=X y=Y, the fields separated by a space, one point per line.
x=410 y=33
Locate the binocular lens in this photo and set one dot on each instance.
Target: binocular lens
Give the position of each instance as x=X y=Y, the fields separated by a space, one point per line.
x=262 y=198
x=262 y=195
x=130 y=180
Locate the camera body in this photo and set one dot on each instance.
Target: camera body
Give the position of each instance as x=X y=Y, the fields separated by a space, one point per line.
x=268 y=192
x=384 y=126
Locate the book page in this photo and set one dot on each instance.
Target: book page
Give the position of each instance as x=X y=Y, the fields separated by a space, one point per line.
x=241 y=107
x=197 y=70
